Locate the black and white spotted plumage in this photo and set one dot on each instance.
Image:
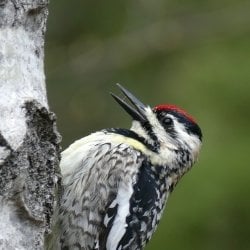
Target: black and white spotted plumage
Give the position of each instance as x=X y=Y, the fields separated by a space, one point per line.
x=116 y=181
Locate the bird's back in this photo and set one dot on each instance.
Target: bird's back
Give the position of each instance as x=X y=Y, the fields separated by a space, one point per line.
x=99 y=174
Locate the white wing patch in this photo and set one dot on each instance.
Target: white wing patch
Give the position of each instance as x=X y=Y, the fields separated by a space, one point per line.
x=118 y=229
x=97 y=170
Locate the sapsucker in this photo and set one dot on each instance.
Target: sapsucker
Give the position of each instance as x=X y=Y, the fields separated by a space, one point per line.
x=116 y=181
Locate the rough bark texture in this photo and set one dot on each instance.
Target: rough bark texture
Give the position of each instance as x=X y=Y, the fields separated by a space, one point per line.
x=29 y=151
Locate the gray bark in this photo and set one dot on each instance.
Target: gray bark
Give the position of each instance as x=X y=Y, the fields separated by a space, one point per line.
x=29 y=141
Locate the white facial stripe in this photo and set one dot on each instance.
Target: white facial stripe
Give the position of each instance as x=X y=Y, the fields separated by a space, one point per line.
x=136 y=126
x=191 y=140
x=167 y=143
x=164 y=138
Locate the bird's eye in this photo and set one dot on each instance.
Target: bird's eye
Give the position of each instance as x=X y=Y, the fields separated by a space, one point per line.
x=167 y=121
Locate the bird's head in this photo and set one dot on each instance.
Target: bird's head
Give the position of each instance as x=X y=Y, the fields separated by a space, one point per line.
x=166 y=128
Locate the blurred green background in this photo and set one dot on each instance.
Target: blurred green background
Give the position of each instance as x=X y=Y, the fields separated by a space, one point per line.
x=193 y=53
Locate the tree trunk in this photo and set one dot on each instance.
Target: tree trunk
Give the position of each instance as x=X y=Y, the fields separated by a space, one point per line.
x=29 y=151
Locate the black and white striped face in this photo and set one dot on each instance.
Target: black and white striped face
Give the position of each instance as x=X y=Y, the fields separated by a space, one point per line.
x=180 y=128
x=168 y=128
x=171 y=116
x=177 y=124
x=165 y=127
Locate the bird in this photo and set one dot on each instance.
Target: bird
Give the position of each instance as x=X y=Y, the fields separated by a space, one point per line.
x=116 y=182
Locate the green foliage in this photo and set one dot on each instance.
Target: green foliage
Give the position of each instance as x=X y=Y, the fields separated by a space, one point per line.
x=191 y=53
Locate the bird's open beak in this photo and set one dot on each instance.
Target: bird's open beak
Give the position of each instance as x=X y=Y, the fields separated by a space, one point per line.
x=138 y=111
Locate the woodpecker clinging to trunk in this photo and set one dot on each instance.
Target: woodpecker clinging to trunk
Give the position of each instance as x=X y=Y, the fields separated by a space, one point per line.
x=116 y=181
